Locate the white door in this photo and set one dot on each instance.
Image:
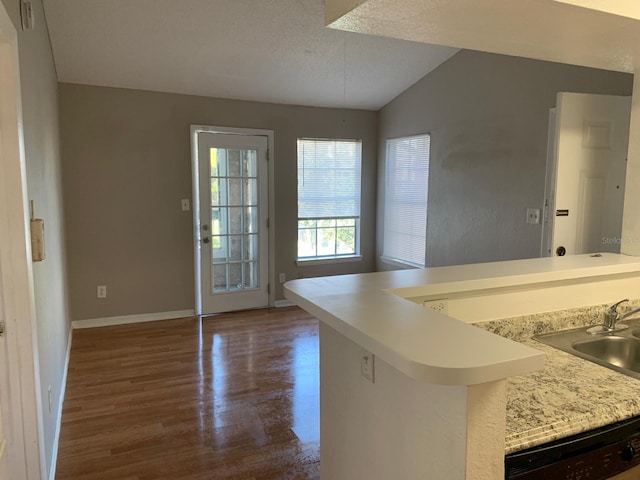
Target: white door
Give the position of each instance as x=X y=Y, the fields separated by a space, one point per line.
x=4 y=402
x=13 y=449
x=13 y=457
x=234 y=210
x=591 y=152
x=20 y=413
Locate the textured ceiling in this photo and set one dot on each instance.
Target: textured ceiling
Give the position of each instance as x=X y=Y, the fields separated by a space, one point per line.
x=595 y=33
x=264 y=50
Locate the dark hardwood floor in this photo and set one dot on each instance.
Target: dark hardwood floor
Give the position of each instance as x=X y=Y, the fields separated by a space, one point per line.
x=232 y=396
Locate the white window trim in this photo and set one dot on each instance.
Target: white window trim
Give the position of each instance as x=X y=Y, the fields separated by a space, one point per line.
x=396 y=262
x=338 y=258
x=307 y=262
x=384 y=258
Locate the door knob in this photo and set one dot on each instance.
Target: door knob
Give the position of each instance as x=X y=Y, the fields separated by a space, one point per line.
x=205 y=240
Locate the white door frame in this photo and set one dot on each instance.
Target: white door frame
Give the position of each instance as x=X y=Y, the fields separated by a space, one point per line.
x=549 y=211
x=591 y=128
x=25 y=446
x=195 y=202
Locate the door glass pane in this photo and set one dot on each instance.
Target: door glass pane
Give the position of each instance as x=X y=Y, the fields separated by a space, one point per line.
x=251 y=191
x=235 y=191
x=251 y=247
x=234 y=158
x=218 y=162
x=251 y=275
x=250 y=164
x=218 y=191
x=219 y=249
x=219 y=221
x=251 y=220
x=235 y=248
x=219 y=274
x=235 y=276
x=234 y=219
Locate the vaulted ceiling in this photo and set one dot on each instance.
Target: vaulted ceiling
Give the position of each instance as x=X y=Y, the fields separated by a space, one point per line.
x=265 y=50
x=602 y=34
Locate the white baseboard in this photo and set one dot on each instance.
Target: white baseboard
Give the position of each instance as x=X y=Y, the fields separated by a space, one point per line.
x=144 y=317
x=284 y=303
x=63 y=390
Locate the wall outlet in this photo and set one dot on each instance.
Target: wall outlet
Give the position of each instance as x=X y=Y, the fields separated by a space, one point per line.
x=49 y=394
x=439 y=305
x=283 y=278
x=367 y=366
x=102 y=291
x=533 y=216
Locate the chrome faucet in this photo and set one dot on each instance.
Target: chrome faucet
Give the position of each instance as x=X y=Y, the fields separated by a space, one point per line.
x=611 y=317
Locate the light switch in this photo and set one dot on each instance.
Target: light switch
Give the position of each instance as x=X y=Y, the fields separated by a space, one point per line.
x=26 y=14
x=186 y=204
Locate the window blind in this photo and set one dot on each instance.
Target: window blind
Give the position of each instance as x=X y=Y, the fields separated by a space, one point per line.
x=329 y=178
x=405 y=212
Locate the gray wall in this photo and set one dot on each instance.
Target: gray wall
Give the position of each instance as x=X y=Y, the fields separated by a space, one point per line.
x=488 y=119
x=44 y=186
x=127 y=163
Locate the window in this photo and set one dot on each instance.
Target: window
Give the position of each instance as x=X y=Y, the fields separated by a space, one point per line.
x=328 y=198
x=405 y=204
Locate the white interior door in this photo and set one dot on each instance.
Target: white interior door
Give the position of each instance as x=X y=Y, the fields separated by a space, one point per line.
x=234 y=241
x=20 y=408
x=4 y=403
x=591 y=153
x=13 y=457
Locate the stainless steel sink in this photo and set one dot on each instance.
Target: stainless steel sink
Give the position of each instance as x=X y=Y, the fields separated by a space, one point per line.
x=618 y=350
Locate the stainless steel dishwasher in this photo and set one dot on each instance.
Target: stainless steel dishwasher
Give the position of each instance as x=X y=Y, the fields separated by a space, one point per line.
x=598 y=454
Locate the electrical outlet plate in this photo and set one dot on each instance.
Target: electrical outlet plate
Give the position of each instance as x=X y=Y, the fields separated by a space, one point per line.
x=283 y=278
x=533 y=216
x=367 y=366
x=102 y=291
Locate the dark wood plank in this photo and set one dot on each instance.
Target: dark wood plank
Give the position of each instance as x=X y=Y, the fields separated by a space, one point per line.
x=231 y=396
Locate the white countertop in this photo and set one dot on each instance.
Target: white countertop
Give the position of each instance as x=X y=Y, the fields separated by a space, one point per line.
x=369 y=309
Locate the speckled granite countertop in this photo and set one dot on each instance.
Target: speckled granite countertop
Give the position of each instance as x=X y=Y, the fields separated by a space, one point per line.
x=570 y=395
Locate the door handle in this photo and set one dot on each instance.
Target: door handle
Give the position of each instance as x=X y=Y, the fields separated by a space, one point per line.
x=205 y=240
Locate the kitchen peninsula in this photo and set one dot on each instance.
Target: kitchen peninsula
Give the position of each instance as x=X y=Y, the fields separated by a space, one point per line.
x=437 y=405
